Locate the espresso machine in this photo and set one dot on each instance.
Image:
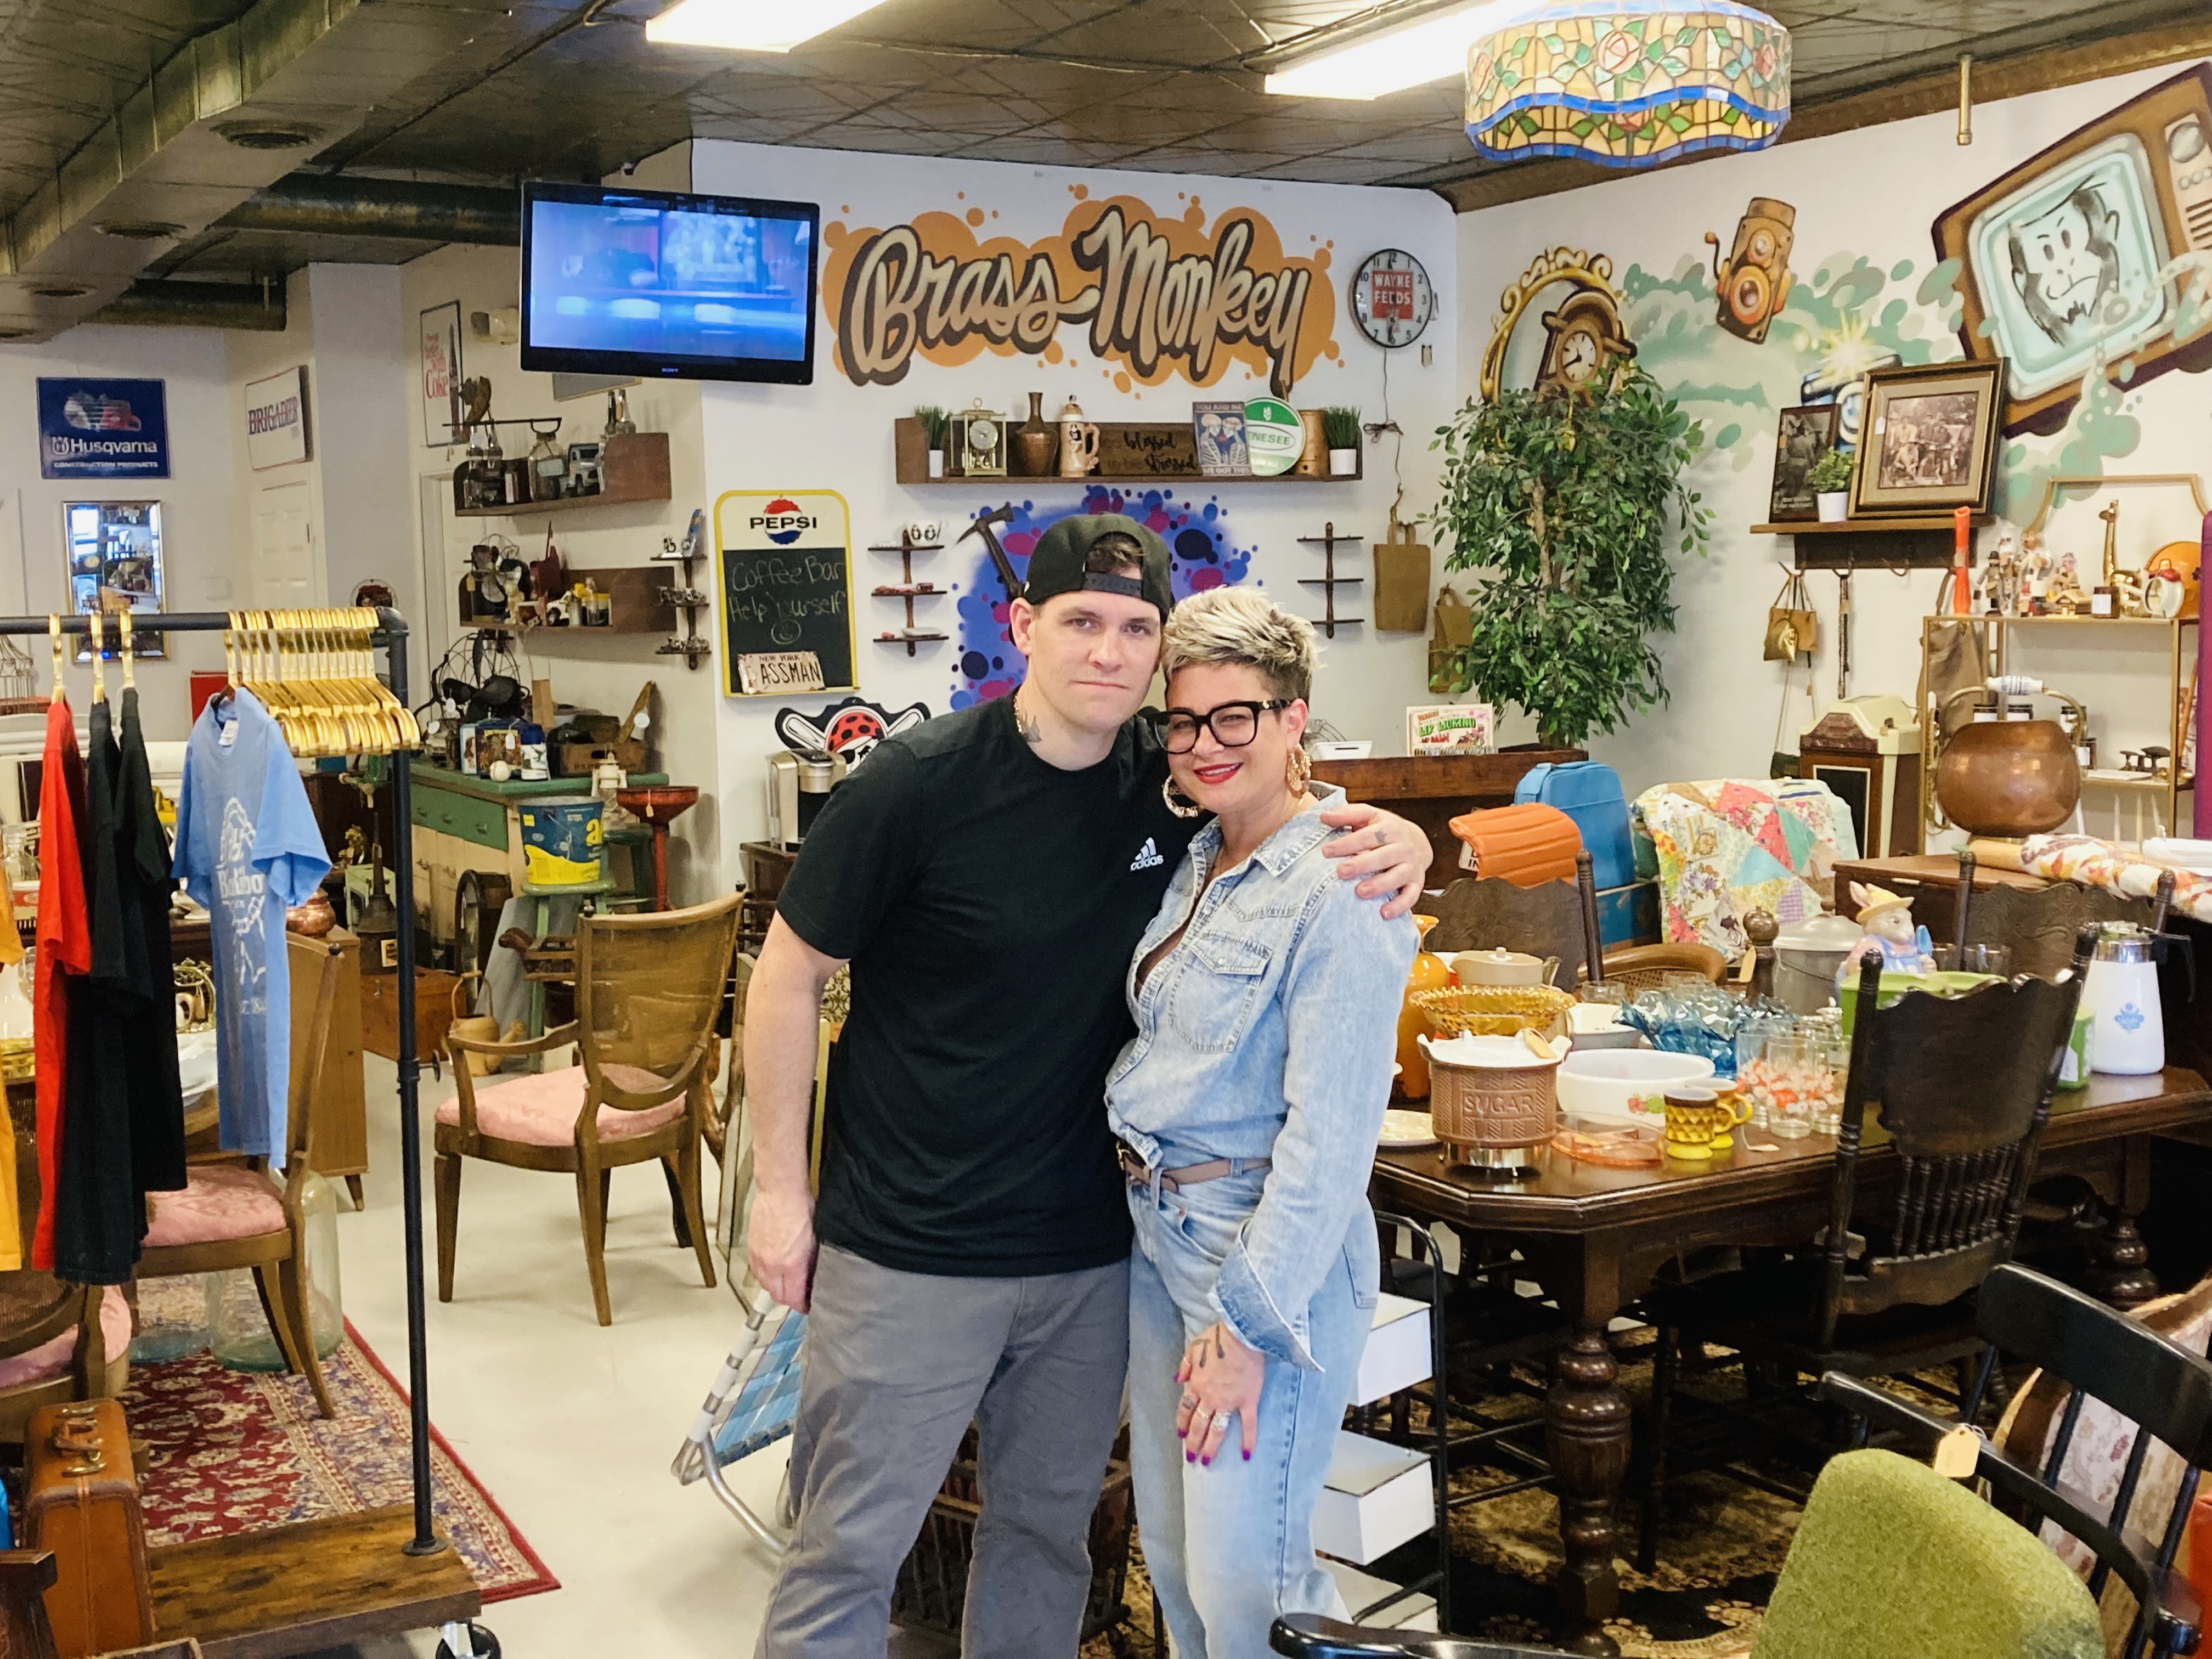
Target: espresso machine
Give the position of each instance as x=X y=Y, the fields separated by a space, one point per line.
x=799 y=783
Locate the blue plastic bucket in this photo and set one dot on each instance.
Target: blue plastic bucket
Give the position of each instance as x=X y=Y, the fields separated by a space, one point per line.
x=562 y=840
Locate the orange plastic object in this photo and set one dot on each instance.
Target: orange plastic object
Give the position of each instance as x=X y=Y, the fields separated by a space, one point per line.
x=1430 y=974
x=2178 y=560
x=2195 y=1563
x=1527 y=845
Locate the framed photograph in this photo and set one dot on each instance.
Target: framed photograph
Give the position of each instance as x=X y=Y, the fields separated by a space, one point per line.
x=114 y=550
x=1805 y=435
x=1218 y=430
x=2067 y=261
x=1930 y=440
x=441 y=368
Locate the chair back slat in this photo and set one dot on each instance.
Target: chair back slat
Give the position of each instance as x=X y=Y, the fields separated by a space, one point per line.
x=1551 y=918
x=2068 y=1421
x=2122 y=1501
x=650 y=987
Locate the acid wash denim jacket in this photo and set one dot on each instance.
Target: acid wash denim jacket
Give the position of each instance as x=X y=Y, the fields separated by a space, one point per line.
x=1268 y=1032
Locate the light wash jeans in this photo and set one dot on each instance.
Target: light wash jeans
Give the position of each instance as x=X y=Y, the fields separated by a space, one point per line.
x=1230 y=1546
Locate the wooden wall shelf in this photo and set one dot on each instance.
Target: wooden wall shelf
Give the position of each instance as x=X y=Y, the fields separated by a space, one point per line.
x=1174 y=459
x=633 y=465
x=1920 y=542
x=633 y=603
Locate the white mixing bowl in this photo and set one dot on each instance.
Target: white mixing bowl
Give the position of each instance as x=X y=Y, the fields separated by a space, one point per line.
x=1624 y=1084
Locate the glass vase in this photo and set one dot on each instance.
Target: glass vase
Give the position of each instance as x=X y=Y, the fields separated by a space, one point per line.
x=237 y=1329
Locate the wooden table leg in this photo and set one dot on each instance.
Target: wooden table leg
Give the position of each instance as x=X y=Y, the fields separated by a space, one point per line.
x=1586 y=1435
x=2119 y=1261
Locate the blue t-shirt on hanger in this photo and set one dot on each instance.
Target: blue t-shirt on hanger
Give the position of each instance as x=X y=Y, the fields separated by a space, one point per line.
x=248 y=848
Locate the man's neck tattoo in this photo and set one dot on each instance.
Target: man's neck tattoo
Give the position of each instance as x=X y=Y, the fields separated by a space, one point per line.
x=1028 y=724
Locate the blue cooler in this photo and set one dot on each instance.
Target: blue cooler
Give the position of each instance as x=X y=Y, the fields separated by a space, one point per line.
x=1589 y=793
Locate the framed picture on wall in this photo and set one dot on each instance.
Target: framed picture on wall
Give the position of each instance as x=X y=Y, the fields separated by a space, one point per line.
x=441 y=370
x=1929 y=442
x=1804 y=435
x=114 y=554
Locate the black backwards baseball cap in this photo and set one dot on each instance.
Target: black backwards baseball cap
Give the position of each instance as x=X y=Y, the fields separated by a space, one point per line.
x=1056 y=564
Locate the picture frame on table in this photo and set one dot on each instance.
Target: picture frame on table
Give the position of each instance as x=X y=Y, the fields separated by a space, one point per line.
x=1928 y=438
x=1803 y=436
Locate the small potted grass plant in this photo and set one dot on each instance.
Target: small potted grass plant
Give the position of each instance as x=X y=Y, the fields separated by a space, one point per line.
x=1830 y=481
x=932 y=421
x=1341 y=429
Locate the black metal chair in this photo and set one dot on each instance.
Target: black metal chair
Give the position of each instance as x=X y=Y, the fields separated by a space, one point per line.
x=1551 y=918
x=2102 y=1355
x=1964 y=1086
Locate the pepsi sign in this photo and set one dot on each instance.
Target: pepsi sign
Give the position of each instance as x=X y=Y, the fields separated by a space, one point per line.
x=782 y=522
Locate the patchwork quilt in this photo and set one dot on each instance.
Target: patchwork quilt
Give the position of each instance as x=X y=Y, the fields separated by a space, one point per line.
x=1730 y=846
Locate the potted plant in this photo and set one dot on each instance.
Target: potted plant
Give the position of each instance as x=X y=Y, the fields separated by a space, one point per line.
x=930 y=419
x=1830 y=481
x=1341 y=428
x=1572 y=503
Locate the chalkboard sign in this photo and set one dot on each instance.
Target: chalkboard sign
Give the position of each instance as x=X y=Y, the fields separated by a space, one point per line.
x=785 y=592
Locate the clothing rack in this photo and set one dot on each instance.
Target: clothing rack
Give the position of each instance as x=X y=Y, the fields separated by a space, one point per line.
x=392 y=634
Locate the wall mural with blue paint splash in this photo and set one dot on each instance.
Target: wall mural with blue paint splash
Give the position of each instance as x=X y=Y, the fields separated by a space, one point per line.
x=1203 y=553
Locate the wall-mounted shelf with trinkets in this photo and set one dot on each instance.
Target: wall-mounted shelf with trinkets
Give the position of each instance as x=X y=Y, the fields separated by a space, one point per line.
x=1329 y=581
x=688 y=598
x=906 y=588
x=1129 y=452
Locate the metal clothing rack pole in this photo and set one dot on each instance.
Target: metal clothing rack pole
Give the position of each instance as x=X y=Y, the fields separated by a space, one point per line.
x=392 y=633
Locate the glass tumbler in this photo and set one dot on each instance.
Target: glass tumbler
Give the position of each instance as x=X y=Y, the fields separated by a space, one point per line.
x=1995 y=959
x=1751 y=1070
x=1787 y=1063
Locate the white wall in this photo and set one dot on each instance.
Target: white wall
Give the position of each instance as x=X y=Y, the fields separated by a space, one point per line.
x=835 y=435
x=200 y=524
x=1865 y=198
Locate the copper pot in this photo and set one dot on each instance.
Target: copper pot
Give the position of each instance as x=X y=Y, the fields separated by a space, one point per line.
x=2008 y=778
x=313 y=917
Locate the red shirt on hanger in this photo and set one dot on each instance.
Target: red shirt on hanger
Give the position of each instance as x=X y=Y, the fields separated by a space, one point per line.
x=65 y=942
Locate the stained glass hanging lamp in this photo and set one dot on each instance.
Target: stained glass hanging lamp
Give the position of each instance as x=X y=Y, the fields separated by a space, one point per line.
x=1628 y=83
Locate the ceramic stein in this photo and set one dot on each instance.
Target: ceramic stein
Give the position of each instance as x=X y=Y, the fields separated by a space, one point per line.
x=1698 y=1120
x=1078 y=442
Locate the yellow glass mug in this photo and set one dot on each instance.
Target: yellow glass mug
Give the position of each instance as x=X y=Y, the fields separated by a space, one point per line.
x=1699 y=1120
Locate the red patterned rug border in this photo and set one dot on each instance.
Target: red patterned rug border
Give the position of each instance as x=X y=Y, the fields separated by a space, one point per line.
x=545 y=1580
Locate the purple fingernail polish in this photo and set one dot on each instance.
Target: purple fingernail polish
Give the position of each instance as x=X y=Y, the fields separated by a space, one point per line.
x=1190 y=1457
x=1206 y=1463
x=1248 y=1457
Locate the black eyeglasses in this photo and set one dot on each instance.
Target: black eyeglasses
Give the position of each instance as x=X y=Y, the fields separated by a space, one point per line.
x=1234 y=724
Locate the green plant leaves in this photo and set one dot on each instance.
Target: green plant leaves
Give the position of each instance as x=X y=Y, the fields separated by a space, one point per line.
x=1570 y=503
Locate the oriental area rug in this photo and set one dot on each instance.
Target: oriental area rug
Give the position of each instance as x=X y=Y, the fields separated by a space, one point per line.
x=230 y=1452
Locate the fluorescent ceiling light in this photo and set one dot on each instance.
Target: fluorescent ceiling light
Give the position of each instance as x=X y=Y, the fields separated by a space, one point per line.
x=750 y=25
x=1433 y=49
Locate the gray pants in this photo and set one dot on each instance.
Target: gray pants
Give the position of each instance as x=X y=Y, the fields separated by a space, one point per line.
x=897 y=1366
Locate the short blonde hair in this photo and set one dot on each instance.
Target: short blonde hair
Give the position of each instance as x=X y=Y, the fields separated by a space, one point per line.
x=1238 y=625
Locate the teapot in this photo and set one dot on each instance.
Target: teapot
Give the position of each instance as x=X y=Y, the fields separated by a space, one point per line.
x=1503 y=967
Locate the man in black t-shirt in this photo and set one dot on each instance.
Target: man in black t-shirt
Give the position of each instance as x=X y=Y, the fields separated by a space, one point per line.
x=987 y=876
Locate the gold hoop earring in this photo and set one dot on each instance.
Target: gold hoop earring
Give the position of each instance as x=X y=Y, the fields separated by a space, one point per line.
x=1181 y=806
x=1297 y=772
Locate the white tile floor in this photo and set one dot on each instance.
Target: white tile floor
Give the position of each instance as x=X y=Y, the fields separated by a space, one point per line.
x=569 y=1427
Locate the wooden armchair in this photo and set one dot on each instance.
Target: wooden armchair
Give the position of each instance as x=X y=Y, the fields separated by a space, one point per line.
x=1964 y=1086
x=716 y=1128
x=1551 y=918
x=238 y=1214
x=649 y=989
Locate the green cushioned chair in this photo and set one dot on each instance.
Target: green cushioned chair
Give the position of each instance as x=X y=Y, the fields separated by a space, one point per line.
x=1892 y=1561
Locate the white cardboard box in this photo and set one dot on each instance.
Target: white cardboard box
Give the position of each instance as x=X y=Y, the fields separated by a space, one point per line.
x=1364 y=1590
x=1376 y=1497
x=1397 y=1355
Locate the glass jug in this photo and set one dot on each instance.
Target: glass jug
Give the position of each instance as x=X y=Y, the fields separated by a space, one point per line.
x=239 y=1331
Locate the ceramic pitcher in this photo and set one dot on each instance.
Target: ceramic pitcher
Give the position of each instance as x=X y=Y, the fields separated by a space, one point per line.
x=1078 y=442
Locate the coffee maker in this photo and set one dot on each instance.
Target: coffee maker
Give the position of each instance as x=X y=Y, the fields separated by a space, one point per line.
x=799 y=783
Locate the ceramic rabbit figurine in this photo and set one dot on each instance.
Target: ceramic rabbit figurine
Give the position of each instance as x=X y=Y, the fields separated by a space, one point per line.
x=1888 y=920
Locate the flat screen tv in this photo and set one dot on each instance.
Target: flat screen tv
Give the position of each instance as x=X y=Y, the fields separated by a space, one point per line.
x=647 y=282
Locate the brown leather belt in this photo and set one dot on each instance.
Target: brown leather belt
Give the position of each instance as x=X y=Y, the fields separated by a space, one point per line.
x=1190 y=1175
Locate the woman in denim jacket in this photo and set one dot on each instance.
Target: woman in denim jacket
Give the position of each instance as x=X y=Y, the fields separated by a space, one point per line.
x=1265 y=996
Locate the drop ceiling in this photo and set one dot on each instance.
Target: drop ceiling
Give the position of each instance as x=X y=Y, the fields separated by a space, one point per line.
x=573 y=90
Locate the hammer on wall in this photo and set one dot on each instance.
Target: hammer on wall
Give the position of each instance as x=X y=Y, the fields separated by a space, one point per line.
x=998 y=515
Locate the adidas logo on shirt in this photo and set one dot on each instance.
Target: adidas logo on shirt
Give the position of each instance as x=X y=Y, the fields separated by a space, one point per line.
x=1148 y=856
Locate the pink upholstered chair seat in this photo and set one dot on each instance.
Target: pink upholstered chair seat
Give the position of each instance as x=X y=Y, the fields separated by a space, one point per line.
x=52 y=1358
x=223 y=1201
x=541 y=1110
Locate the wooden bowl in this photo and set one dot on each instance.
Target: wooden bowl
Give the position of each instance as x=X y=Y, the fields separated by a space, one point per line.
x=2008 y=778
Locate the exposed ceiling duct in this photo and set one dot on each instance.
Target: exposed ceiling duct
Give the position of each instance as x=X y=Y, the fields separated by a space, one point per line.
x=199 y=304
x=224 y=117
x=318 y=205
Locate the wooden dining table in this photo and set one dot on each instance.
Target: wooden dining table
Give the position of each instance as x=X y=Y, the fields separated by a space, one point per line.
x=1594 y=1237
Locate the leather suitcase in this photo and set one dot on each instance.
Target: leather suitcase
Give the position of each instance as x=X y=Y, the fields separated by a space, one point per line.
x=80 y=1501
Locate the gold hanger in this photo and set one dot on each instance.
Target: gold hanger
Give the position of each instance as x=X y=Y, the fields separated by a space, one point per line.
x=54 y=633
x=129 y=674
x=95 y=627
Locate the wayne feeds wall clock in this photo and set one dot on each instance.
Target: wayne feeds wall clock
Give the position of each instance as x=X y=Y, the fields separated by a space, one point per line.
x=1391 y=299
